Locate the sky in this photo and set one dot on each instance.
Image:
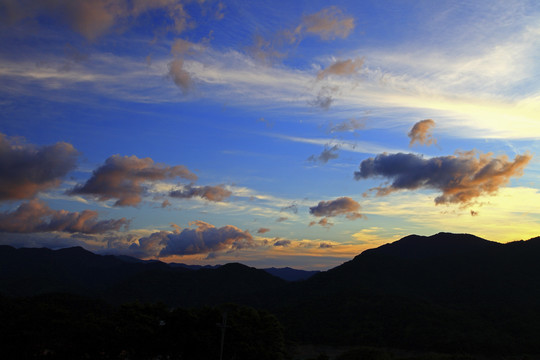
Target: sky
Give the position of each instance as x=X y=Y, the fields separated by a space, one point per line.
x=283 y=133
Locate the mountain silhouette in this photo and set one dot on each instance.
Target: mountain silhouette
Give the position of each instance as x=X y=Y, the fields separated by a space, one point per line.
x=446 y=292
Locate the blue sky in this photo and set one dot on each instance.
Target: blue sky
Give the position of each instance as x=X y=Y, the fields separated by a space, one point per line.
x=272 y=134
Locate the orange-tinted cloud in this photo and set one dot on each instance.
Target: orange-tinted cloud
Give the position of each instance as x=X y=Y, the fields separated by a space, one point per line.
x=421 y=133
x=262 y=230
x=205 y=238
x=328 y=24
x=461 y=178
x=95 y=18
x=27 y=169
x=342 y=68
x=123 y=178
x=35 y=216
x=211 y=193
x=323 y=222
x=179 y=75
x=340 y=206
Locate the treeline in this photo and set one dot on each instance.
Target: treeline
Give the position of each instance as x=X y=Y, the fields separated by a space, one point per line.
x=63 y=326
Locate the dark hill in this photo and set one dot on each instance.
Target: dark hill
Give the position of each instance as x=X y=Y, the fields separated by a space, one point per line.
x=446 y=292
x=443 y=292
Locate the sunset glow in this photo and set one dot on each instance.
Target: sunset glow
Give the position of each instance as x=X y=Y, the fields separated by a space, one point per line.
x=268 y=133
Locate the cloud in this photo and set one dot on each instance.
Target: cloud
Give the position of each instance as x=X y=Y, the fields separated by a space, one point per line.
x=35 y=216
x=282 y=218
x=326 y=155
x=460 y=178
x=474 y=213
x=27 y=169
x=328 y=24
x=340 y=206
x=292 y=207
x=205 y=238
x=325 y=245
x=323 y=222
x=342 y=68
x=325 y=97
x=211 y=193
x=123 y=178
x=179 y=75
x=95 y=18
x=347 y=125
x=283 y=243
x=421 y=133
x=262 y=230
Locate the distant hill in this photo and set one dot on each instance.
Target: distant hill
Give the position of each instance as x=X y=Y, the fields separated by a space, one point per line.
x=446 y=292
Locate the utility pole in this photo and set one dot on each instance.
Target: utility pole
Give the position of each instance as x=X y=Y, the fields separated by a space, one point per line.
x=223 y=326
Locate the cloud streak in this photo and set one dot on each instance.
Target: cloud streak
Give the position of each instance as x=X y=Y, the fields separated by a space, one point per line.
x=342 y=68
x=461 y=178
x=211 y=193
x=124 y=178
x=26 y=169
x=326 y=155
x=329 y=23
x=35 y=217
x=95 y=18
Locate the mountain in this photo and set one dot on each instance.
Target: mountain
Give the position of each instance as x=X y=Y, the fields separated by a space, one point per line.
x=443 y=292
x=446 y=292
x=32 y=271
x=290 y=274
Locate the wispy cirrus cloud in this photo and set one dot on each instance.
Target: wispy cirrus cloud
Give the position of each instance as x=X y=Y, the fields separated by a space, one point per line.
x=329 y=23
x=341 y=68
x=326 y=155
x=211 y=193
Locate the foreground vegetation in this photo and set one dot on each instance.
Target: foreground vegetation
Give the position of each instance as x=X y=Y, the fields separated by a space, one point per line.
x=62 y=326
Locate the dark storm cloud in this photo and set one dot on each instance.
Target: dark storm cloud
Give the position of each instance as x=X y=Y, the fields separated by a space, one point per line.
x=206 y=238
x=123 y=178
x=35 y=216
x=460 y=178
x=326 y=155
x=27 y=169
x=421 y=133
x=211 y=193
x=340 y=206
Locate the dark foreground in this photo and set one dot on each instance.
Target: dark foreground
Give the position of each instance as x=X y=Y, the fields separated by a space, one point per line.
x=447 y=296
